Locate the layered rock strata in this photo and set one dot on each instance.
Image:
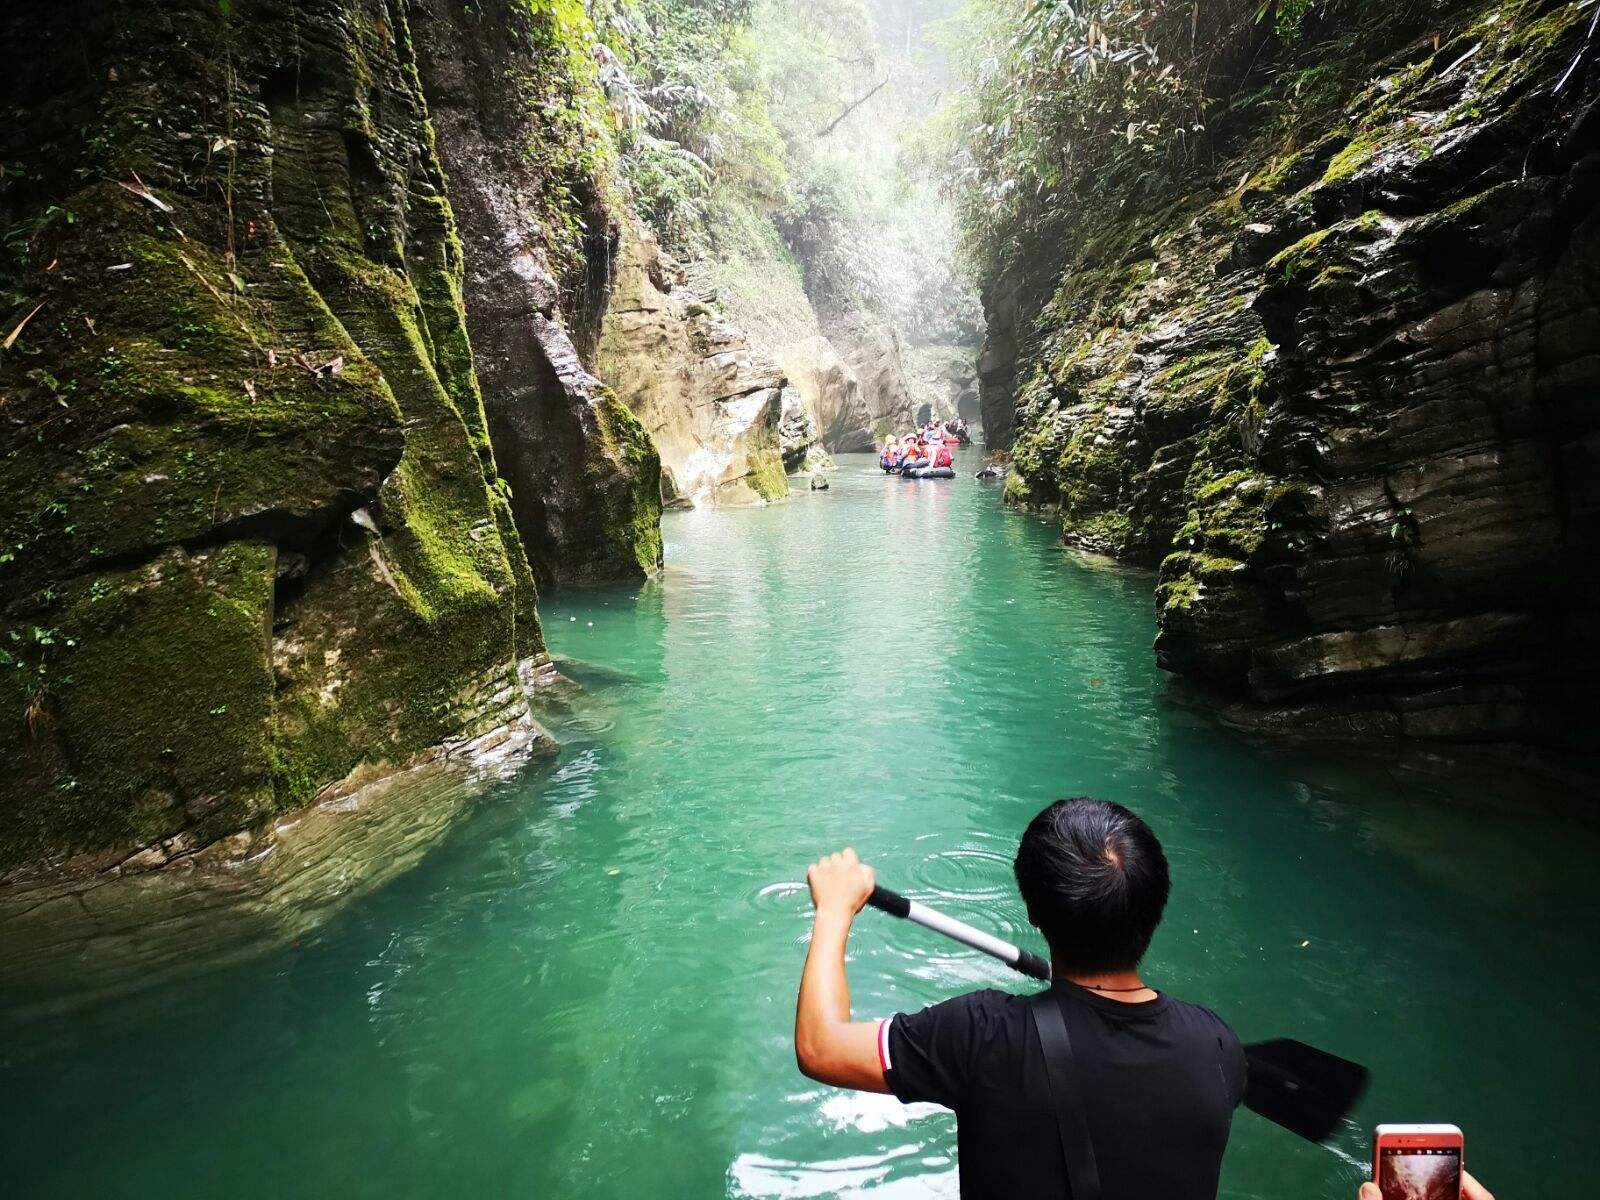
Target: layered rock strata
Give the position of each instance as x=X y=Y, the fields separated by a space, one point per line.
x=1346 y=400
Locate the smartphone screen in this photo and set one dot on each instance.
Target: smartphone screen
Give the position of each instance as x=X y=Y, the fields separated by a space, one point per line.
x=1420 y=1172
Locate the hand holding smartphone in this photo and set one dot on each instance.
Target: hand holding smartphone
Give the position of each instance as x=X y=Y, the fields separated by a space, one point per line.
x=1421 y=1162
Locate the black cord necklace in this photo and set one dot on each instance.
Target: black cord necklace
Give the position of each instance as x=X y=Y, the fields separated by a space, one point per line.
x=1095 y=987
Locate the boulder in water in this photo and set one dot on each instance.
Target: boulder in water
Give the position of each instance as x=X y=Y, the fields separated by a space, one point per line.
x=819 y=483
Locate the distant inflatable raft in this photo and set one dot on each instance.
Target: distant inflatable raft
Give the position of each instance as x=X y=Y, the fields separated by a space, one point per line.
x=931 y=473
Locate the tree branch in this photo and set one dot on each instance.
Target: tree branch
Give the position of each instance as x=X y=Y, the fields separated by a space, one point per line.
x=834 y=124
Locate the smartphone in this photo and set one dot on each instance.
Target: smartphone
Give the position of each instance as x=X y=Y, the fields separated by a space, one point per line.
x=1418 y=1162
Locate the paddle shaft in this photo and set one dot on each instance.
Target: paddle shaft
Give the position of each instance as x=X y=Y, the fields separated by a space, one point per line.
x=897 y=905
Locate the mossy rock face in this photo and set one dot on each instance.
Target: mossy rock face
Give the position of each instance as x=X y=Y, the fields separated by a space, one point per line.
x=1322 y=388
x=514 y=95
x=146 y=411
x=255 y=539
x=139 y=705
x=628 y=477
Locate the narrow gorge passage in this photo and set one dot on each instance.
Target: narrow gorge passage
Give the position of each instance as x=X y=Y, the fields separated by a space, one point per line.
x=586 y=989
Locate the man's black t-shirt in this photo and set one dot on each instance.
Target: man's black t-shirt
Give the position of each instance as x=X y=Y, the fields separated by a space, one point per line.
x=1160 y=1081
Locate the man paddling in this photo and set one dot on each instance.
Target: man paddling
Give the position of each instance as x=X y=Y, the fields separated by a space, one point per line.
x=1154 y=1080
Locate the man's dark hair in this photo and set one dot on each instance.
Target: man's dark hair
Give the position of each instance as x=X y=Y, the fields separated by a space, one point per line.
x=1095 y=881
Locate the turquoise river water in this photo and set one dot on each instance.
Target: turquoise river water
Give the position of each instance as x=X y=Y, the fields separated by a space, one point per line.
x=586 y=989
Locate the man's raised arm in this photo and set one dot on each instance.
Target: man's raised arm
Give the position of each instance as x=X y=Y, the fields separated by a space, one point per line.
x=829 y=1047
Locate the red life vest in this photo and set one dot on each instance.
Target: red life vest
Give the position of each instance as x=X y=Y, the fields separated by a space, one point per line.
x=942 y=457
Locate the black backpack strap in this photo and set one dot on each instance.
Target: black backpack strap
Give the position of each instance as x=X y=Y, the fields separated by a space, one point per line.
x=1077 y=1150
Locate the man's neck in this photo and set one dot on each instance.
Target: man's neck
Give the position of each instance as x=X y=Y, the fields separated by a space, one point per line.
x=1114 y=985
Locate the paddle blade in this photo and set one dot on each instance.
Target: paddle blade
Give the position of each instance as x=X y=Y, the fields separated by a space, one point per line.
x=1306 y=1090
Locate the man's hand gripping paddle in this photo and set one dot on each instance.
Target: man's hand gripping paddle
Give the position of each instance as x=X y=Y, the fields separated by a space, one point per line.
x=1306 y=1090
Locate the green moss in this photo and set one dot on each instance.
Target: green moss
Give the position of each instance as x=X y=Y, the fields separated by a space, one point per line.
x=551 y=74
x=1290 y=259
x=1177 y=594
x=1016 y=491
x=1520 y=37
x=1483 y=205
x=1360 y=150
x=1093 y=473
x=767 y=476
x=1226 y=514
x=168 y=433
x=1106 y=529
x=1329 y=276
x=1148 y=399
x=1187 y=577
x=147 y=715
x=1270 y=179
x=631 y=511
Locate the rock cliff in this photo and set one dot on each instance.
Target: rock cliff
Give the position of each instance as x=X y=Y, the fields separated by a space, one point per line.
x=582 y=477
x=872 y=350
x=831 y=393
x=713 y=406
x=761 y=287
x=1344 y=398
x=944 y=379
x=257 y=551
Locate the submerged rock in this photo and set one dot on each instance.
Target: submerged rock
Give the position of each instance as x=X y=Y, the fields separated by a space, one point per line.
x=182 y=905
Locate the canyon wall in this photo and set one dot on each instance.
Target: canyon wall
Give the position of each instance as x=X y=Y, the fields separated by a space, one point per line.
x=258 y=554
x=713 y=406
x=541 y=241
x=1344 y=399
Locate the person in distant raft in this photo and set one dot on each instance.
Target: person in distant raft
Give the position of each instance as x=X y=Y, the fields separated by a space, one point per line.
x=1157 y=1079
